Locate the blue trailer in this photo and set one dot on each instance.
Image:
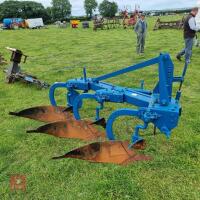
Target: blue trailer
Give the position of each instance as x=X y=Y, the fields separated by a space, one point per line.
x=9 y=23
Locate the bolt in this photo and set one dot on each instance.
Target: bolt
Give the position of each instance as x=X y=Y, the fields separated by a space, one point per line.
x=166 y=57
x=164 y=102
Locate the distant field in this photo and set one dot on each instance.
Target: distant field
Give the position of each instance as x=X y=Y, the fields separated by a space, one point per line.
x=59 y=55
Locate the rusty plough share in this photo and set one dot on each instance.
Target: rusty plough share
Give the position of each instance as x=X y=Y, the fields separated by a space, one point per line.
x=156 y=106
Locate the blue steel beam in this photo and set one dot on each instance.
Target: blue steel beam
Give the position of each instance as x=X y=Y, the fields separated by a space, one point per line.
x=128 y=69
x=157 y=107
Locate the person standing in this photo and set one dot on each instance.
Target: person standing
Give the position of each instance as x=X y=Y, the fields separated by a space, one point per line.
x=141 y=30
x=190 y=29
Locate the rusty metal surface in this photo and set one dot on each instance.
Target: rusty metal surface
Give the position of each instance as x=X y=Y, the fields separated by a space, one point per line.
x=100 y=122
x=71 y=128
x=141 y=145
x=115 y=152
x=46 y=113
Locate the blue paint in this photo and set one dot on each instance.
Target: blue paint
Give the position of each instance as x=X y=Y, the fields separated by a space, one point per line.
x=157 y=106
x=8 y=22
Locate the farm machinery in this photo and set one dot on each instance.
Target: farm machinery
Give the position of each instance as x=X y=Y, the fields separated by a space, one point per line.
x=111 y=23
x=178 y=24
x=157 y=106
x=106 y=23
x=14 y=23
x=14 y=73
x=129 y=21
x=98 y=23
x=75 y=23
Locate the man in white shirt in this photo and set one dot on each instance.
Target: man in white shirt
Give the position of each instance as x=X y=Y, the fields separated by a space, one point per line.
x=190 y=29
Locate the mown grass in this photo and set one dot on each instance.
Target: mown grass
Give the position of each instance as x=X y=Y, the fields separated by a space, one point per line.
x=58 y=55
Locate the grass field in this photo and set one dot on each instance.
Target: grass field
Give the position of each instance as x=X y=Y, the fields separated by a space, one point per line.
x=58 y=55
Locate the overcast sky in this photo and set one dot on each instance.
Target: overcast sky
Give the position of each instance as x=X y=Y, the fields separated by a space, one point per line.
x=77 y=5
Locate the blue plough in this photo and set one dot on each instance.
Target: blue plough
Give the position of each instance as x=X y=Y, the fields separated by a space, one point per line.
x=158 y=107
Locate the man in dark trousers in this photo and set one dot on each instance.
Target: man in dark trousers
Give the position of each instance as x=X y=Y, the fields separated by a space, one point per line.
x=141 y=30
x=190 y=29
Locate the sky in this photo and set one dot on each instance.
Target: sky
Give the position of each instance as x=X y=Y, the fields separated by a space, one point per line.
x=78 y=9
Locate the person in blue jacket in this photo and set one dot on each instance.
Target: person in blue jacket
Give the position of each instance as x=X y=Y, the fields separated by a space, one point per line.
x=141 y=31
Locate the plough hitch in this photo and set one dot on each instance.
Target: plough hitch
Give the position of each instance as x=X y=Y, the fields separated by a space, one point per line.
x=156 y=106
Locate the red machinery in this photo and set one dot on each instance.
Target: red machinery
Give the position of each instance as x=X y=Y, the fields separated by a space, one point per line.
x=129 y=21
x=75 y=23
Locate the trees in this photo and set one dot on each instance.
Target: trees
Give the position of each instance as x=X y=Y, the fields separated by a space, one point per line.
x=108 y=9
x=61 y=9
x=90 y=6
x=23 y=9
x=9 y=9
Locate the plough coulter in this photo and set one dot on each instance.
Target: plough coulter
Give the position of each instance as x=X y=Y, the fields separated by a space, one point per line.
x=156 y=106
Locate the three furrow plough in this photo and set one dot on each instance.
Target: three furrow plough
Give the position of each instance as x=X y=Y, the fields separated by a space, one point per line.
x=157 y=107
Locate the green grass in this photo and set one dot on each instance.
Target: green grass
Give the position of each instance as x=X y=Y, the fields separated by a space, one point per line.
x=59 y=55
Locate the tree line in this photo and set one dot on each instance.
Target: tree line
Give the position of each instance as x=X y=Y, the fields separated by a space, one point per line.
x=59 y=9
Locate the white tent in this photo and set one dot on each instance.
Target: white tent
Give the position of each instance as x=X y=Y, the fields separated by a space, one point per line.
x=35 y=23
